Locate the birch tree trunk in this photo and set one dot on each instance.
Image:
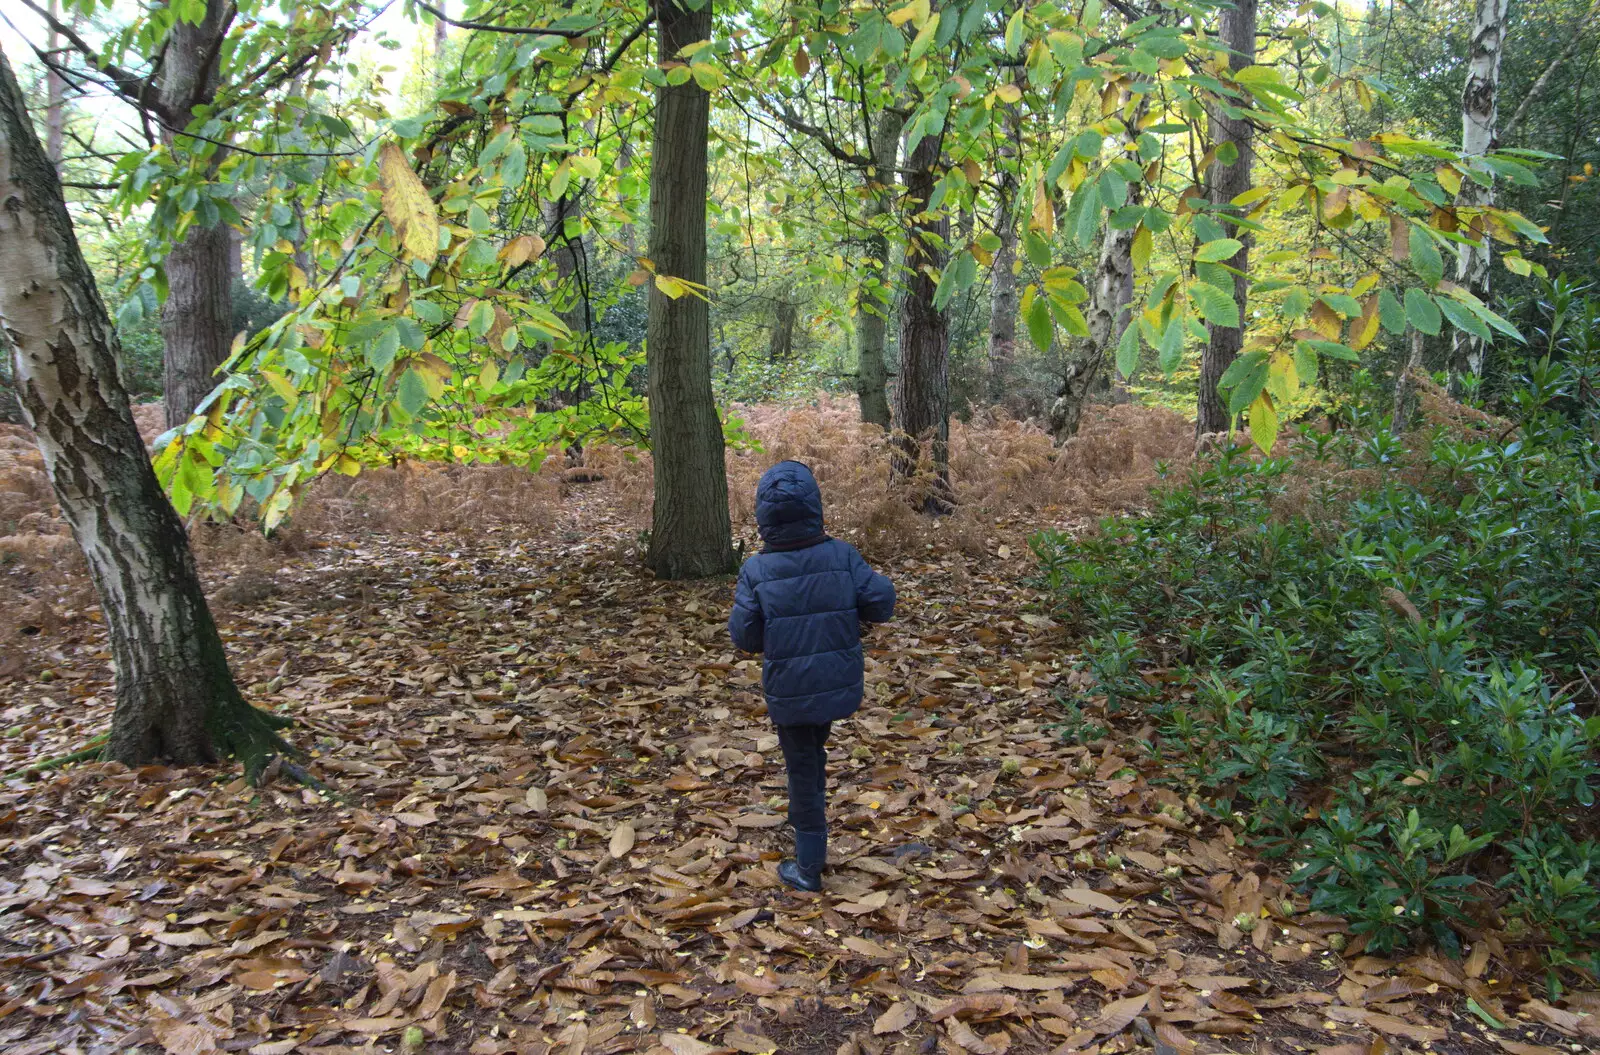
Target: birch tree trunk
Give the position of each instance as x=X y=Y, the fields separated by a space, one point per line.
x=922 y=398
x=1238 y=33
x=55 y=112
x=1107 y=315
x=873 y=298
x=1479 y=108
x=690 y=532
x=197 y=319
x=1003 y=276
x=175 y=697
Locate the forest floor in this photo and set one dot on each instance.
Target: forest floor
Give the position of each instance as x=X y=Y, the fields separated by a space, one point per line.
x=559 y=814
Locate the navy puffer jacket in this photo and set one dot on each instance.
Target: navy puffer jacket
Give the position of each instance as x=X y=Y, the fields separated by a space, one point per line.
x=801 y=601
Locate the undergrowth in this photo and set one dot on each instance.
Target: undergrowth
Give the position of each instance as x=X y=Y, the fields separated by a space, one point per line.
x=1378 y=657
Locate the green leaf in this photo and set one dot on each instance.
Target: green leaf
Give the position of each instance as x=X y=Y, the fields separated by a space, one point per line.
x=481 y=319
x=1390 y=313
x=1462 y=319
x=1425 y=259
x=1040 y=327
x=1342 y=303
x=411 y=393
x=1421 y=311
x=1240 y=368
x=1217 y=251
x=1247 y=384
x=1170 y=352
x=1215 y=306
x=1128 y=351
x=381 y=352
x=1036 y=249
x=1334 y=350
x=1070 y=318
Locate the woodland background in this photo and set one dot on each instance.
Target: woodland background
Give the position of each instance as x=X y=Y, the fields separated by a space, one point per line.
x=1219 y=383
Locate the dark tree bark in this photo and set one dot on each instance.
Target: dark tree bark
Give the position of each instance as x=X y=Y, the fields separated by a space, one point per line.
x=1003 y=280
x=690 y=533
x=197 y=319
x=873 y=298
x=922 y=397
x=175 y=697
x=1238 y=33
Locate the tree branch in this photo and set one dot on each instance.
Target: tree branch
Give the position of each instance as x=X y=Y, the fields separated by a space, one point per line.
x=793 y=121
x=121 y=79
x=1579 y=32
x=536 y=31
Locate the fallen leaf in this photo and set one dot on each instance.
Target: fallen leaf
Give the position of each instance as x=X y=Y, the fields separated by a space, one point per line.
x=897 y=1018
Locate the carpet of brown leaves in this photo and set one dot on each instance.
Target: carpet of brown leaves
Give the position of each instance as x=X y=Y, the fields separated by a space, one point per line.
x=561 y=810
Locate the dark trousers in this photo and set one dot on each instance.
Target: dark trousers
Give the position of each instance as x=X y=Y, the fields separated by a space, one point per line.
x=805 y=755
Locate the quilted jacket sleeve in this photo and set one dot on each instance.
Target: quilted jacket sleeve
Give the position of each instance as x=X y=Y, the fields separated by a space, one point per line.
x=874 y=592
x=746 y=625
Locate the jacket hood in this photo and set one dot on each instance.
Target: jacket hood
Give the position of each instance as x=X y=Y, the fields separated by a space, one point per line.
x=788 y=505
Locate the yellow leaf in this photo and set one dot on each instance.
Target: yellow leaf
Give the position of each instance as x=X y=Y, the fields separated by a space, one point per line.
x=407 y=205
x=1143 y=243
x=521 y=249
x=900 y=16
x=348 y=465
x=489 y=376
x=1365 y=328
x=1044 y=210
x=1008 y=93
x=670 y=287
x=1449 y=179
x=281 y=385
x=1263 y=423
x=973 y=174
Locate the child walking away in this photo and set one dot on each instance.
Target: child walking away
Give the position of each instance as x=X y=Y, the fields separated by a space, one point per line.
x=801 y=602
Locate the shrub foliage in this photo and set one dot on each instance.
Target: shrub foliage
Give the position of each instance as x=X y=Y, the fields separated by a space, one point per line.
x=1377 y=655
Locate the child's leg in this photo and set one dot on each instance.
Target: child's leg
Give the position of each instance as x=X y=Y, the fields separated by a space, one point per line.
x=805 y=754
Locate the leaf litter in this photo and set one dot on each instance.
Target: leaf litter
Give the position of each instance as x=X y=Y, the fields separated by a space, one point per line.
x=559 y=818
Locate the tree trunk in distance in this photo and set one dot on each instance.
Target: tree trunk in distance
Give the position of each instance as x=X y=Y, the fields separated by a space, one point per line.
x=873 y=297
x=175 y=697
x=922 y=398
x=1003 y=277
x=1108 y=313
x=1402 y=382
x=1480 y=100
x=1238 y=33
x=55 y=111
x=690 y=532
x=197 y=319
x=780 y=345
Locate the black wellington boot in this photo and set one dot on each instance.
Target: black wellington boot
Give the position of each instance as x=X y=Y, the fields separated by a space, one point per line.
x=804 y=870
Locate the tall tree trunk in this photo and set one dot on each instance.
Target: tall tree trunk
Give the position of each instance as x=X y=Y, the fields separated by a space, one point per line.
x=872 y=298
x=1238 y=33
x=922 y=398
x=1479 y=107
x=690 y=533
x=197 y=319
x=1108 y=314
x=55 y=112
x=1003 y=277
x=175 y=697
